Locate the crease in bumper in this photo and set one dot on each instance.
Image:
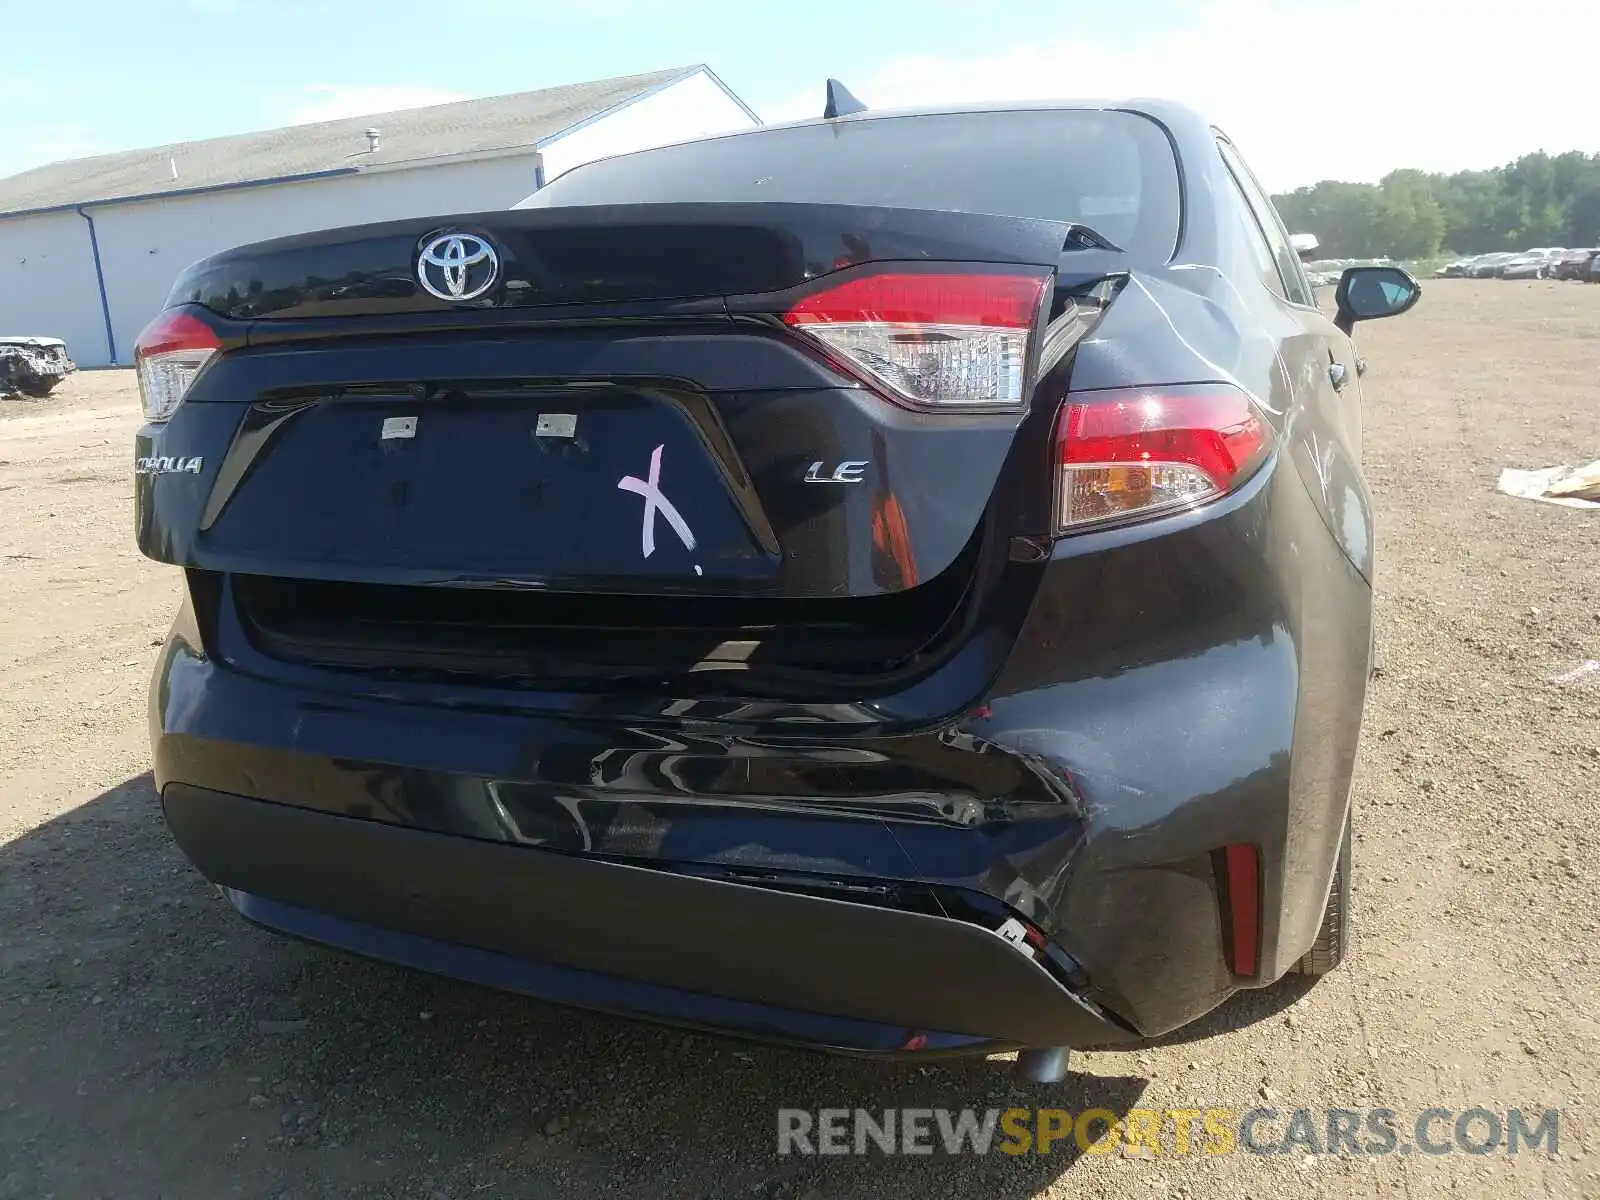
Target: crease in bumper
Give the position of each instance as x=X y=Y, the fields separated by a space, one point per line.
x=602 y=993
x=786 y=953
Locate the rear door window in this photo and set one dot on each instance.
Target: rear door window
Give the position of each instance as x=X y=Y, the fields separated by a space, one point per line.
x=1264 y=261
x=1284 y=273
x=1113 y=171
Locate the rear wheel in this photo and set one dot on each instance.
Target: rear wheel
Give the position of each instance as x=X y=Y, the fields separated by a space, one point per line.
x=1333 y=939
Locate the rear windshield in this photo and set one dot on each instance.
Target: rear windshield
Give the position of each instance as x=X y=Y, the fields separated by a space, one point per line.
x=1112 y=171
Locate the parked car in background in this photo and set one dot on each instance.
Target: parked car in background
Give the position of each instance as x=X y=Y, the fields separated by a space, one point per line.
x=845 y=583
x=1574 y=264
x=33 y=365
x=1489 y=266
x=1525 y=266
x=1454 y=270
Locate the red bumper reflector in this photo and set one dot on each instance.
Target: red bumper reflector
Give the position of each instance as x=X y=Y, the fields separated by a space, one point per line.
x=1242 y=866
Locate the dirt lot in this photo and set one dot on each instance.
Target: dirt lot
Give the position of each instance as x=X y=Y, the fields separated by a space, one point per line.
x=151 y=1044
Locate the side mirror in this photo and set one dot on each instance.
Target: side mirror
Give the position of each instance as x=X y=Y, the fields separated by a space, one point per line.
x=1305 y=245
x=1367 y=293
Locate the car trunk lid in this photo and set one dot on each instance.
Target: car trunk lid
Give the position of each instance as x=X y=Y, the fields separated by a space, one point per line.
x=642 y=451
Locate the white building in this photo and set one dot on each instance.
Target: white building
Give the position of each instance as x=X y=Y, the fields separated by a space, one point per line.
x=90 y=247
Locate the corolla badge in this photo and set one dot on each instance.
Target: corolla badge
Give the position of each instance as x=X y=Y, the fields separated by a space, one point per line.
x=168 y=464
x=457 y=266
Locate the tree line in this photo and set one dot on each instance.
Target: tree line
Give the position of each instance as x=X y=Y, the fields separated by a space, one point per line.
x=1539 y=200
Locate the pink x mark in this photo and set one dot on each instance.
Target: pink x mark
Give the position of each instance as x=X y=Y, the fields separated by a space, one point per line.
x=655 y=502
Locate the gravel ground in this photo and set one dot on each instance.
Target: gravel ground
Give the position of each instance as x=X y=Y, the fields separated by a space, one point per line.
x=151 y=1044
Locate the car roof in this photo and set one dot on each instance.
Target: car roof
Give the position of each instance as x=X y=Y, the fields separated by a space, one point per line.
x=1152 y=105
x=1171 y=113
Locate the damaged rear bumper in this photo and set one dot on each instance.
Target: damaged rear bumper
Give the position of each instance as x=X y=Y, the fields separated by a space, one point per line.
x=640 y=941
x=760 y=866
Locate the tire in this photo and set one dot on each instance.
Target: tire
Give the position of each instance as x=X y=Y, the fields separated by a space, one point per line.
x=1333 y=939
x=39 y=388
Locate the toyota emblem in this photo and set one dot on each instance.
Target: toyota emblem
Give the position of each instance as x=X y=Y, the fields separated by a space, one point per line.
x=457 y=266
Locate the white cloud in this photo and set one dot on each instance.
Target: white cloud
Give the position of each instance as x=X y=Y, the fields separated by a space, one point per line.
x=330 y=101
x=1344 y=89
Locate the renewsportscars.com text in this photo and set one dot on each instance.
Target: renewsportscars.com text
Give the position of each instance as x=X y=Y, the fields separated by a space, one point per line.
x=1180 y=1131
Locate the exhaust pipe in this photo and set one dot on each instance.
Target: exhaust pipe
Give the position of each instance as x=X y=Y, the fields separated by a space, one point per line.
x=1044 y=1064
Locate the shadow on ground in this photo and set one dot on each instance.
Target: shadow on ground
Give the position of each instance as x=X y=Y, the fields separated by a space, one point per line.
x=1243 y=1009
x=156 y=1044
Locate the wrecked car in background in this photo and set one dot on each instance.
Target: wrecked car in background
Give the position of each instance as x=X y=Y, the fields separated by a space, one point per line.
x=33 y=365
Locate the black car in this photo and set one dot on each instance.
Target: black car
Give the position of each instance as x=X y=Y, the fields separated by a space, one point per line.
x=1572 y=264
x=896 y=583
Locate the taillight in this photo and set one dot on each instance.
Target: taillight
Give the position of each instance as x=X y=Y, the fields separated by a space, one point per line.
x=943 y=341
x=168 y=356
x=1148 y=451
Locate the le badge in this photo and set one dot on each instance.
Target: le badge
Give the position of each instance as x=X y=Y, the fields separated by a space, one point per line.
x=851 y=470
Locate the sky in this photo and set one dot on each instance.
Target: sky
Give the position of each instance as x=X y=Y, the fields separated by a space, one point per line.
x=1308 y=89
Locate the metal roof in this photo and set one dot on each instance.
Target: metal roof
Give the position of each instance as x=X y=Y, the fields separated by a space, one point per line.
x=492 y=126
